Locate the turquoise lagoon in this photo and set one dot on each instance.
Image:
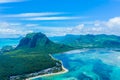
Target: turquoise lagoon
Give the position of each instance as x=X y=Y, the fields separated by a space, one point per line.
x=9 y=41
x=88 y=64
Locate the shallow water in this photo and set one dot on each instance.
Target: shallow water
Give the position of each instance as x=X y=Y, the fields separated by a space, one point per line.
x=89 y=64
x=12 y=42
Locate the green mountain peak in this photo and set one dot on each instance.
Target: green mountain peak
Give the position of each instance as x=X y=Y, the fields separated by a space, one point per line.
x=31 y=55
x=33 y=40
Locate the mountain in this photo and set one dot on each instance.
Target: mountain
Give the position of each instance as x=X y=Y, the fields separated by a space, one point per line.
x=40 y=43
x=31 y=55
x=89 y=41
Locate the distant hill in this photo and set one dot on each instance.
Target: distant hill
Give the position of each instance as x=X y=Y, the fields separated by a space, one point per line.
x=89 y=41
x=31 y=55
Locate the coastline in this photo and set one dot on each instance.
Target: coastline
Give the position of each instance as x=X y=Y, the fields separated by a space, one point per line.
x=64 y=70
x=51 y=74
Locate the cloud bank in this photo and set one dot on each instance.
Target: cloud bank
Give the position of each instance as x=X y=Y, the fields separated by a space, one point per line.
x=111 y=27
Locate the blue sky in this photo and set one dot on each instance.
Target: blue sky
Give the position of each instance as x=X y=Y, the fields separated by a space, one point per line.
x=59 y=17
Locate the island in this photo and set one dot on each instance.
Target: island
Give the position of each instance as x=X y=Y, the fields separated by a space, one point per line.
x=32 y=57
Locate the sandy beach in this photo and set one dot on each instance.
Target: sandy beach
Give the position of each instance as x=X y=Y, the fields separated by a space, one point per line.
x=61 y=72
x=51 y=74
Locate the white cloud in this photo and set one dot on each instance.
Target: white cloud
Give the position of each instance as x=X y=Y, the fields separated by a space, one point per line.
x=97 y=23
x=110 y=27
x=38 y=16
x=78 y=27
x=114 y=22
x=59 y=31
x=96 y=27
x=32 y=14
x=4 y=24
x=9 y=1
x=13 y=29
x=50 y=18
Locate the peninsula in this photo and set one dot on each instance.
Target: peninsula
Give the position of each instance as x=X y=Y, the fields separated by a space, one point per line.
x=31 y=56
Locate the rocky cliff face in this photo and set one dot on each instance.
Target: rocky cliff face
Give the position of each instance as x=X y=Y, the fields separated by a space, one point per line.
x=33 y=40
x=30 y=56
x=39 y=42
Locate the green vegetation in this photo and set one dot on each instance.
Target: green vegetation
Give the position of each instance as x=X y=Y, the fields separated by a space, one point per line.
x=31 y=55
x=89 y=41
x=6 y=49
